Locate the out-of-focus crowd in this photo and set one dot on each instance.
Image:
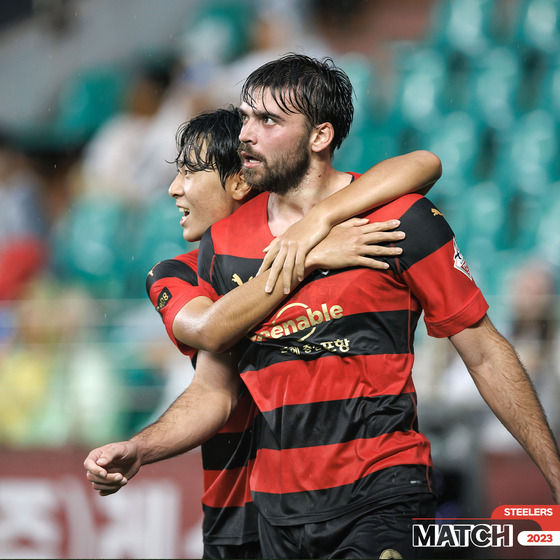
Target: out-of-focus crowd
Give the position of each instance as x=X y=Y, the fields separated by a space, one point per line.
x=84 y=210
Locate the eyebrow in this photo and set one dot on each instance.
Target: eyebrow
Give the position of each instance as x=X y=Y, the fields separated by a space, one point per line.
x=262 y=114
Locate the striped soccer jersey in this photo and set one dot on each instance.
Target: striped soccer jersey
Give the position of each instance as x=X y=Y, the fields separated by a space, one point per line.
x=330 y=369
x=230 y=517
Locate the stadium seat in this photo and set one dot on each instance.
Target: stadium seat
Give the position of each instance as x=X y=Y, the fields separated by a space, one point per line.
x=87 y=244
x=465 y=26
x=419 y=97
x=85 y=101
x=368 y=102
x=492 y=88
x=369 y=140
x=548 y=96
x=218 y=31
x=456 y=140
x=537 y=27
x=547 y=241
x=482 y=238
x=528 y=154
x=158 y=238
x=485 y=215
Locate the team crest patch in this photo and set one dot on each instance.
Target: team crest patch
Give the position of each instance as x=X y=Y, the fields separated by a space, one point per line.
x=459 y=261
x=163 y=300
x=390 y=554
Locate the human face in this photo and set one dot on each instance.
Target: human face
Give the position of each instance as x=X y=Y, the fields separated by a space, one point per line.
x=202 y=200
x=274 y=146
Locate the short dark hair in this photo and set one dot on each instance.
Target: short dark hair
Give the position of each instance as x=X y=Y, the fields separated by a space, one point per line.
x=317 y=88
x=209 y=141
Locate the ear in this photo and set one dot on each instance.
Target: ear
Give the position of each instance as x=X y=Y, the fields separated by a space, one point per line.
x=237 y=188
x=321 y=137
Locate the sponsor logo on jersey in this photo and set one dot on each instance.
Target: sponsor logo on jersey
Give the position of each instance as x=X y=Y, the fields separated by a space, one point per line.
x=296 y=317
x=436 y=212
x=163 y=299
x=459 y=261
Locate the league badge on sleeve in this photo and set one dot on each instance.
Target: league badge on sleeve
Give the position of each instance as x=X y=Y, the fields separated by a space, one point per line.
x=163 y=299
x=459 y=261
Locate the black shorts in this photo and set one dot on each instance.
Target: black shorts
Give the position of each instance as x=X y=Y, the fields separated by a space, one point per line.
x=382 y=530
x=219 y=551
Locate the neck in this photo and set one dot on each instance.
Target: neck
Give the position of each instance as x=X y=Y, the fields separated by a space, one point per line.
x=320 y=182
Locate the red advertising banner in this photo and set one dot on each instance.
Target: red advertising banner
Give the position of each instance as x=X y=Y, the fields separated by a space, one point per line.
x=49 y=510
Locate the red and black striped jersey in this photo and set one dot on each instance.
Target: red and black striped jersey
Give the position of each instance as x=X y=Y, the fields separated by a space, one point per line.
x=330 y=369
x=230 y=517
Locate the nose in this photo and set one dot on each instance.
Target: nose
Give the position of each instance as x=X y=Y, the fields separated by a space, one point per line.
x=247 y=133
x=176 y=187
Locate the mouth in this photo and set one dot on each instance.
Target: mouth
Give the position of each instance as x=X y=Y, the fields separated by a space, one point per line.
x=185 y=212
x=249 y=160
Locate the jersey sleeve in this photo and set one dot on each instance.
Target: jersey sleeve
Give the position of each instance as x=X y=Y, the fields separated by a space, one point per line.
x=171 y=284
x=436 y=272
x=206 y=261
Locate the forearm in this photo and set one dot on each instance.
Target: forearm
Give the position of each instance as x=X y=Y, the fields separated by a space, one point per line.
x=507 y=389
x=217 y=326
x=386 y=181
x=197 y=414
x=182 y=427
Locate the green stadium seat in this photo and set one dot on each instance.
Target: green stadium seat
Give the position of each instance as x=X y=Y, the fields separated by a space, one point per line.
x=465 y=26
x=527 y=159
x=482 y=237
x=456 y=140
x=87 y=244
x=547 y=242
x=368 y=101
x=485 y=215
x=369 y=140
x=218 y=31
x=419 y=97
x=548 y=97
x=492 y=88
x=86 y=101
x=537 y=27
x=159 y=237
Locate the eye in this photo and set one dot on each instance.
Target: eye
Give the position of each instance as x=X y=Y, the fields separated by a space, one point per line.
x=269 y=120
x=182 y=170
x=244 y=118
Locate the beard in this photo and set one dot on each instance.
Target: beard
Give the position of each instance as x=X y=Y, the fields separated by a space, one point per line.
x=282 y=175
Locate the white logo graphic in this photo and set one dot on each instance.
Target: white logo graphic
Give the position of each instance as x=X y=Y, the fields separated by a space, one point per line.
x=459 y=261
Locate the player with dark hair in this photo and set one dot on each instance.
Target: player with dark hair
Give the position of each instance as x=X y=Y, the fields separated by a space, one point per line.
x=209 y=187
x=341 y=467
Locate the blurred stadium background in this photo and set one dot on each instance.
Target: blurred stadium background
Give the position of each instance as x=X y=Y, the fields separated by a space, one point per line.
x=91 y=94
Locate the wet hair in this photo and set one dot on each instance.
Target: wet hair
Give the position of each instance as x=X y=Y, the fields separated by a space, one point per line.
x=318 y=89
x=209 y=141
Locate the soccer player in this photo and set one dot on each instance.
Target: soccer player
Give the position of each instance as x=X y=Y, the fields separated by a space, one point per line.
x=341 y=467
x=207 y=188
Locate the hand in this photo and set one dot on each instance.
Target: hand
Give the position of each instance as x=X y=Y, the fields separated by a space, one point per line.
x=288 y=251
x=353 y=243
x=110 y=467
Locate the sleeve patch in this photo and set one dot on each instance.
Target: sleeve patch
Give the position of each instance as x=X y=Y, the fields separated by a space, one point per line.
x=163 y=299
x=459 y=261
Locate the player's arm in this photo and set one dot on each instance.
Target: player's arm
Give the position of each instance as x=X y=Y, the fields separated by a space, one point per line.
x=417 y=171
x=507 y=389
x=216 y=326
x=195 y=416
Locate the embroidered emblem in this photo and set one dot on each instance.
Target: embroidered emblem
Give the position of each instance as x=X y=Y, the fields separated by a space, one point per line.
x=459 y=261
x=163 y=299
